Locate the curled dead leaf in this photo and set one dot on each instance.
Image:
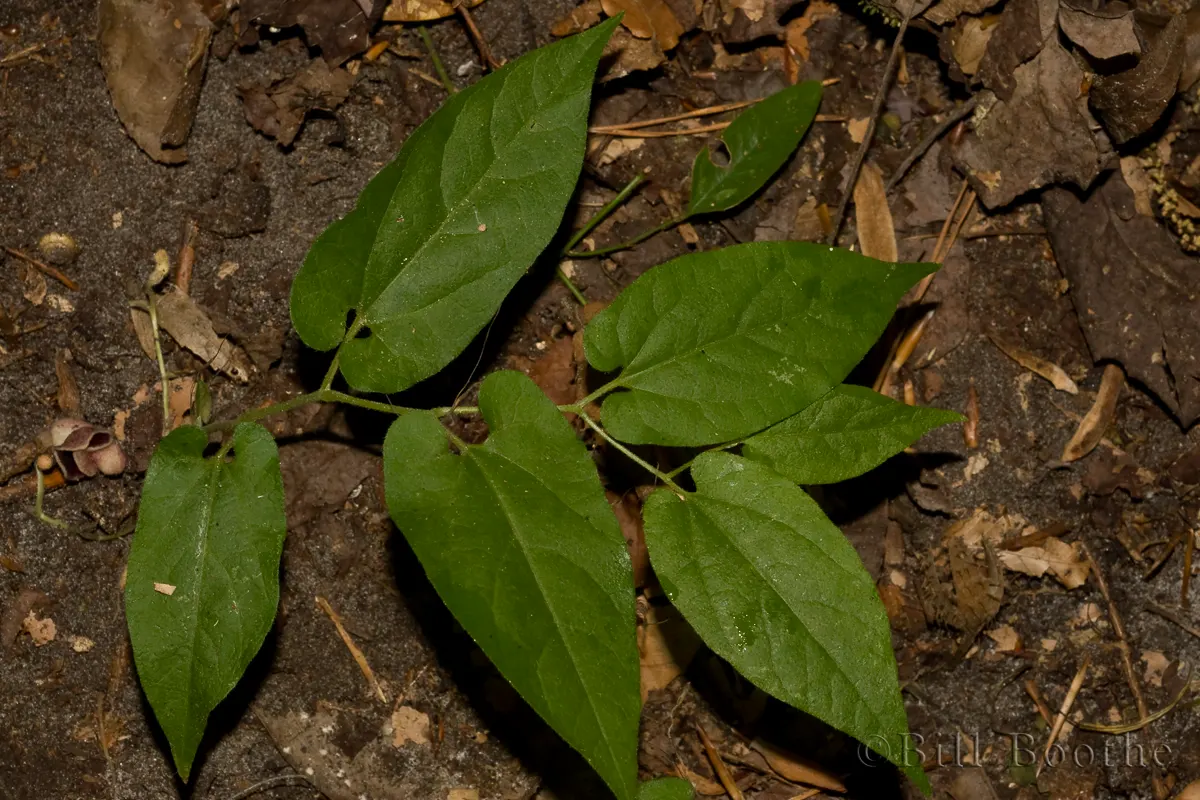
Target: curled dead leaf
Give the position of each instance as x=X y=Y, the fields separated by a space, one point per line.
x=647 y=19
x=1099 y=416
x=1037 y=365
x=422 y=10
x=876 y=231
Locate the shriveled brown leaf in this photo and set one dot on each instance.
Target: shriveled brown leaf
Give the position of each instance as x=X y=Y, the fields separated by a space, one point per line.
x=647 y=19
x=633 y=55
x=340 y=28
x=1006 y=638
x=189 y=325
x=581 y=18
x=628 y=511
x=154 y=56
x=1096 y=421
x=666 y=645
x=1065 y=561
x=798 y=769
x=876 y=232
x=68 y=388
x=278 y=109
x=1130 y=102
x=968 y=42
x=1052 y=372
x=1104 y=33
x=1139 y=183
x=35 y=284
x=948 y=10
x=1024 y=27
x=424 y=10
x=409 y=725
x=796 y=33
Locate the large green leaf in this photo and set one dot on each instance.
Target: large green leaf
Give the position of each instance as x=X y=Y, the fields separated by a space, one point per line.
x=845 y=433
x=718 y=345
x=666 y=789
x=518 y=539
x=773 y=587
x=440 y=236
x=758 y=141
x=211 y=528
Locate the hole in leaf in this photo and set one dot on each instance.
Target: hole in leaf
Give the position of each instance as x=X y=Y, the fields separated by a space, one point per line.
x=363 y=332
x=719 y=154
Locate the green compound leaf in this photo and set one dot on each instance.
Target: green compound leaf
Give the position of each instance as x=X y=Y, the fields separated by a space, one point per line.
x=666 y=789
x=517 y=538
x=213 y=529
x=849 y=431
x=759 y=141
x=441 y=234
x=773 y=587
x=718 y=345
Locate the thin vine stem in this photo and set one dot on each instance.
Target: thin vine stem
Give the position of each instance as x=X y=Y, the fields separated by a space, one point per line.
x=319 y=396
x=438 y=66
x=641 y=237
x=662 y=476
x=580 y=297
x=603 y=213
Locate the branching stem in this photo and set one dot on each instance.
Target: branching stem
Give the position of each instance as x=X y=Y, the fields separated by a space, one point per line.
x=641 y=237
x=662 y=476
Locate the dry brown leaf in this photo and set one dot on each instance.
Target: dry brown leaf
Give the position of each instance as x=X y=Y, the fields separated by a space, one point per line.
x=35 y=284
x=1006 y=638
x=42 y=631
x=1139 y=183
x=703 y=786
x=1062 y=560
x=580 y=19
x=1156 y=665
x=409 y=725
x=1099 y=416
x=796 y=769
x=666 y=645
x=876 y=232
x=1037 y=365
x=633 y=55
x=422 y=10
x=796 y=33
x=647 y=19
x=857 y=128
x=1190 y=792
x=969 y=41
x=190 y=327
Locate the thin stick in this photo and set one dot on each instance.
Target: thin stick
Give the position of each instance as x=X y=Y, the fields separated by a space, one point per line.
x=480 y=43
x=359 y=658
x=1173 y=616
x=719 y=766
x=11 y=58
x=53 y=272
x=603 y=213
x=1035 y=694
x=938 y=132
x=638 y=133
x=294 y=779
x=1119 y=629
x=438 y=66
x=1188 y=551
x=1068 y=701
x=580 y=297
x=650 y=123
x=876 y=107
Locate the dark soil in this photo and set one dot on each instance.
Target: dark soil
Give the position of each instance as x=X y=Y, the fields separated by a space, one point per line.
x=73 y=722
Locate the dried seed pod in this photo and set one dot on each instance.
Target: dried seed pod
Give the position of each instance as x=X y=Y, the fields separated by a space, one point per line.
x=58 y=248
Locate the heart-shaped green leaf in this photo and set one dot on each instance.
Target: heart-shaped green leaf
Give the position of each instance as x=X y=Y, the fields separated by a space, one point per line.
x=774 y=588
x=441 y=234
x=718 y=345
x=519 y=541
x=845 y=433
x=203 y=579
x=759 y=141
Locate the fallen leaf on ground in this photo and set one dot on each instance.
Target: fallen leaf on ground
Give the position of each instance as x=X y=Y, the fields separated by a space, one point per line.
x=876 y=232
x=1024 y=28
x=580 y=18
x=796 y=33
x=1037 y=365
x=666 y=645
x=968 y=42
x=1042 y=135
x=857 y=128
x=340 y=28
x=154 y=56
x=1104 y=32
x=35 y=284
x=42 y=631
x=633 y=55
x=1096 y=421
x=1137 y=296
x=425 y=10
x=647 y=19
x=948 y=10
x=1130 y=102
x=1062 y=560
x=409 y=725
x=796 y=769
x=1156 y=665
x=1006 y=638
x=278 y=109
x=191 y=328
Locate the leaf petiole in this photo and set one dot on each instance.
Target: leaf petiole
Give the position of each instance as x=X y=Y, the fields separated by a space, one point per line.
x=603 y=213
x=641 y=237
x=662 y=476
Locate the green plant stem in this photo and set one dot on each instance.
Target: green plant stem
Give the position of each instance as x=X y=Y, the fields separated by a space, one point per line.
x=603 y=213
x=331 y=373
x=438 y=66
x=39 y=498
x=319 y=396
x=579 y=296
x=662 y=476
x=641 y=237
x=463 y=410
x=152 y=309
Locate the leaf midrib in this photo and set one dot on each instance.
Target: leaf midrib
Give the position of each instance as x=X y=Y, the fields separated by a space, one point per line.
x=365 y=314
x=614 y=760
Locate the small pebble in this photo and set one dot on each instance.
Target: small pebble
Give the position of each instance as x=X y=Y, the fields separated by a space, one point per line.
x=58 y=248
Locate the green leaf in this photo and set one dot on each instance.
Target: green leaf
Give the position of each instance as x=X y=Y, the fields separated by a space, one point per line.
x=519 y=541
x=441 y=234
x=759 y=141
x=213 y=529
x=773 y=587
x=842 y=435
x=718 y=345
x=666 y=789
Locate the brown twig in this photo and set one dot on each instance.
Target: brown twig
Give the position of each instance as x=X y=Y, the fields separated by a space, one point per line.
x=639 y=133
x=359 y=658
x=481 y=44
x=938 y=132
x=1037 y=537
x=53 y=272
x=719 y=765
x=1188 y=551
x=1035 y=694
x=12 y=58
x=1175 y=617
x=1063 y=710
x=187 y=257
x=650 y=123
x=1119 y=629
